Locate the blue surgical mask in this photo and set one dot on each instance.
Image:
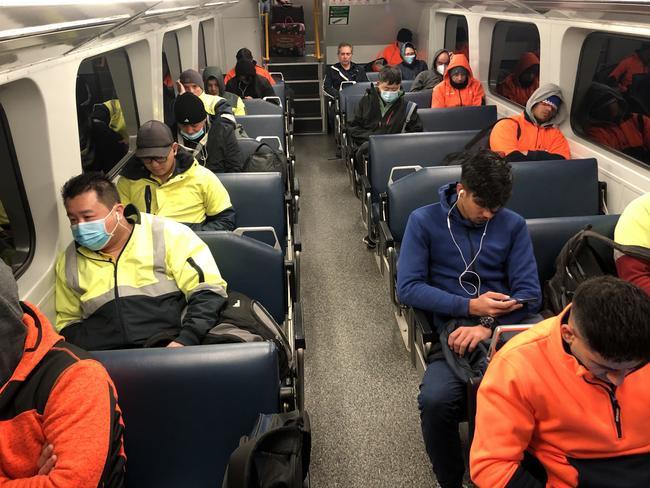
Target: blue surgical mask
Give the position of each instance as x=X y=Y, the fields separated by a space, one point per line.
x=93 y=235
x=193 y=137
x=409 y=59
x=389 y=96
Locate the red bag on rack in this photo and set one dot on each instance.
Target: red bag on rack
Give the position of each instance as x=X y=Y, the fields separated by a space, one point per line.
x=287 y=38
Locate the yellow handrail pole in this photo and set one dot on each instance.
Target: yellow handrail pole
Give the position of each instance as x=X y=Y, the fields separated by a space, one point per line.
x=266 y=36
x=317 y=27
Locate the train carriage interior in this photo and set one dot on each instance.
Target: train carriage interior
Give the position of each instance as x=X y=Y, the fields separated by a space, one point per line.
x=317 y=244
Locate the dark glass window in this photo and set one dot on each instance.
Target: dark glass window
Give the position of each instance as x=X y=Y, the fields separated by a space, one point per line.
x=456 y=35
x=171 y=68
x=514 y=61
x=203 y=54
x=611 y=100
x=107 y=113
x=16 y=227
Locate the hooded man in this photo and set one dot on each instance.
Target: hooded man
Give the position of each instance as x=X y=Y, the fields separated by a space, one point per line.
x=214 y=85
x=245 y=53
x=216 y=106
x=164 y=179
x=393 y=52
x=636 y=64
x=61 y=425
x=430 y=78
x=608 y=121
x=213 y=145
x=465 y=258
x=519 y=85
x=459 y=88
x=410 y=67
x=533 y=135
x=247 y=83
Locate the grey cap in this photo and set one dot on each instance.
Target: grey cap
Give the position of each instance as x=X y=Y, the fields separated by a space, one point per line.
x=192 y=76
x=154 y=140
x=9 y=302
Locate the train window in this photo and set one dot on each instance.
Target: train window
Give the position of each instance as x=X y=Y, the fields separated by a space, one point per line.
x=456 y=39
x=171 y=64
x=16 y=226
x=514 y=61
x=203 y=56
x=107 y=113
x=611 y=104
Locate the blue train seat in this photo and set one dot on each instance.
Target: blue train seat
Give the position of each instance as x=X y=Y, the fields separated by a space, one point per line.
x=373 y=76
x=457 y=118
x=269 y=128
x=257 y=106
x=406 y=86
x=185 y=409
x=421 y=98
x=279 y=89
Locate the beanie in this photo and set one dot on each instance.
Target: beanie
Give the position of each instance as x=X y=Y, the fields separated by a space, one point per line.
x=192 y=76
x=404 y=35
x=189 y=109
x=554 y=101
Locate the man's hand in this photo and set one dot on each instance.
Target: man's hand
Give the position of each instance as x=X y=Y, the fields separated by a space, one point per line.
x=47 y=461
x=175 y=344
x=493 y=304
x=179 y=87
x=248 y=98
x=467 y=338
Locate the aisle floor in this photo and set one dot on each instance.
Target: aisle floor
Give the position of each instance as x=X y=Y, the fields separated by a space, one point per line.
x=361 y=389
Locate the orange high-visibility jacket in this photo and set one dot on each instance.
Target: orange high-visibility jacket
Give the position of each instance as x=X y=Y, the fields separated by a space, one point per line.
x=532 y=137
x=626 y=69
x=391 y=54
x=445 y=95
x=258 y=69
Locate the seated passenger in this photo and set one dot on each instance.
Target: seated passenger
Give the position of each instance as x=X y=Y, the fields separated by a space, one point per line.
x=213 y=145
x=130 y=276
x=564 y=404
x=165 y=180
x=344 y=70
x=609 y=122
x=411 y=67
x=533 y=135
x=465 y=258
x=633 y=229
x=214 y=85
x=248 y=84
x=393 y=52
x=519 y=85
x=635 y=64
x=191 y=81
x=459 y=88
x=61 y=425
x=245 y=53
x=382 y=110
x=430 y=78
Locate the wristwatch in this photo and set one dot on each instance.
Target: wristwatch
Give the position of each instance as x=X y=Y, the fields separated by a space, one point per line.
x=488 y=322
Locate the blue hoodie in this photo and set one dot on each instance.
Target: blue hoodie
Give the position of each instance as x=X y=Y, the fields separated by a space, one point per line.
x=430 y=264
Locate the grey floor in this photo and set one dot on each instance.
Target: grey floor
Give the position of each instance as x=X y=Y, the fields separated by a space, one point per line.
x=360 y=387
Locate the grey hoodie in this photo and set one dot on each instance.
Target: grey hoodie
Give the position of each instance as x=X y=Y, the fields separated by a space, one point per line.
x=12 y=329
x=541 y=94
x=215 y=72
x=429 y=78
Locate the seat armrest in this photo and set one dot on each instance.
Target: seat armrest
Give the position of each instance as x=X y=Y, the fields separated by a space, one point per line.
x=602 y=198
x=298 y=327
x=365 y=192
x=386 y=239
x=300 y=346
x=423 y=325
x=297 y=239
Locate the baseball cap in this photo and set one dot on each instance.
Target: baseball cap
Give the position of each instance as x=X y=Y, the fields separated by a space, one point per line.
x=154 y=140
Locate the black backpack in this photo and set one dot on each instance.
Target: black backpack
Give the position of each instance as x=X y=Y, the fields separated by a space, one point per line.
x=578 y=261
x=246 y=320
x=469 y=367
x=482 y=139
x=275 y=455
x=265 y=159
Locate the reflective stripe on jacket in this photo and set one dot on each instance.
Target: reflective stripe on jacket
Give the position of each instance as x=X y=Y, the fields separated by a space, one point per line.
x=165 y=279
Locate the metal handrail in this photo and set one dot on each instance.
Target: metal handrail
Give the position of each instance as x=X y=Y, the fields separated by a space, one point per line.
x=317 y=16
x=266 y=37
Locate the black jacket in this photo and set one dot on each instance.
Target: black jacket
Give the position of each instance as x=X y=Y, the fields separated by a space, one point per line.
x=220 y=153
x=368 y=120
x=410 y=71
x=336 y=74
x=259 y=88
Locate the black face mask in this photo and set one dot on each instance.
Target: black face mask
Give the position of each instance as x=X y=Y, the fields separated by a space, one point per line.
x=525 y=82
x=461 y=85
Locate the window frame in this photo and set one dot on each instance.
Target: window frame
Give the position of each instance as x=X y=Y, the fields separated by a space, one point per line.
x=466 y=25
x=492 y=86
x=575 y=103
x=202 y=43
x=26 y=223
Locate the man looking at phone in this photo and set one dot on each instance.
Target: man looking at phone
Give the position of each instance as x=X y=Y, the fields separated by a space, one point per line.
x=469 y=259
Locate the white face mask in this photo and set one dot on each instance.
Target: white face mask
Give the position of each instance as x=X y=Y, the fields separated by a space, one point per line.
x=441 y=69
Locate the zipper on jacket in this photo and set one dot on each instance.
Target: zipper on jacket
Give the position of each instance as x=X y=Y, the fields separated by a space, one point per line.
x=147 y=198
x=616 y=407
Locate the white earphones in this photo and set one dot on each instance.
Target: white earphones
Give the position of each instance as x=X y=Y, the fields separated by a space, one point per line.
x=474 y=290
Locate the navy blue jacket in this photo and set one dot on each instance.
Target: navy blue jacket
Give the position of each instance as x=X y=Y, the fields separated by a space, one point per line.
x=430 y=264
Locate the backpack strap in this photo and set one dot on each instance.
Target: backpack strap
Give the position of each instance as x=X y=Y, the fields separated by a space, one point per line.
x=638 y=252
x=410 y=108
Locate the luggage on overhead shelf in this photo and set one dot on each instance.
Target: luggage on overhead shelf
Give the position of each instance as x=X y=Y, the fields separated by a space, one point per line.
x=287 y=32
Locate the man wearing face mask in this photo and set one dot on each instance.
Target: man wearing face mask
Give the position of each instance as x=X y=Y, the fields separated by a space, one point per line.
x=130 y=276
x=608 y=122
x=214 y=85
x=459 y=88
x=247 y=83
x=164 y=179
x=468 y=259
x=217 y=107
x=213 y=145
x=382 y=110
x=430 y=78
x=519 y=85
x=410 y=67
x=533 y=135
x=565 y=403
x=56 y=402
x=393 y=52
